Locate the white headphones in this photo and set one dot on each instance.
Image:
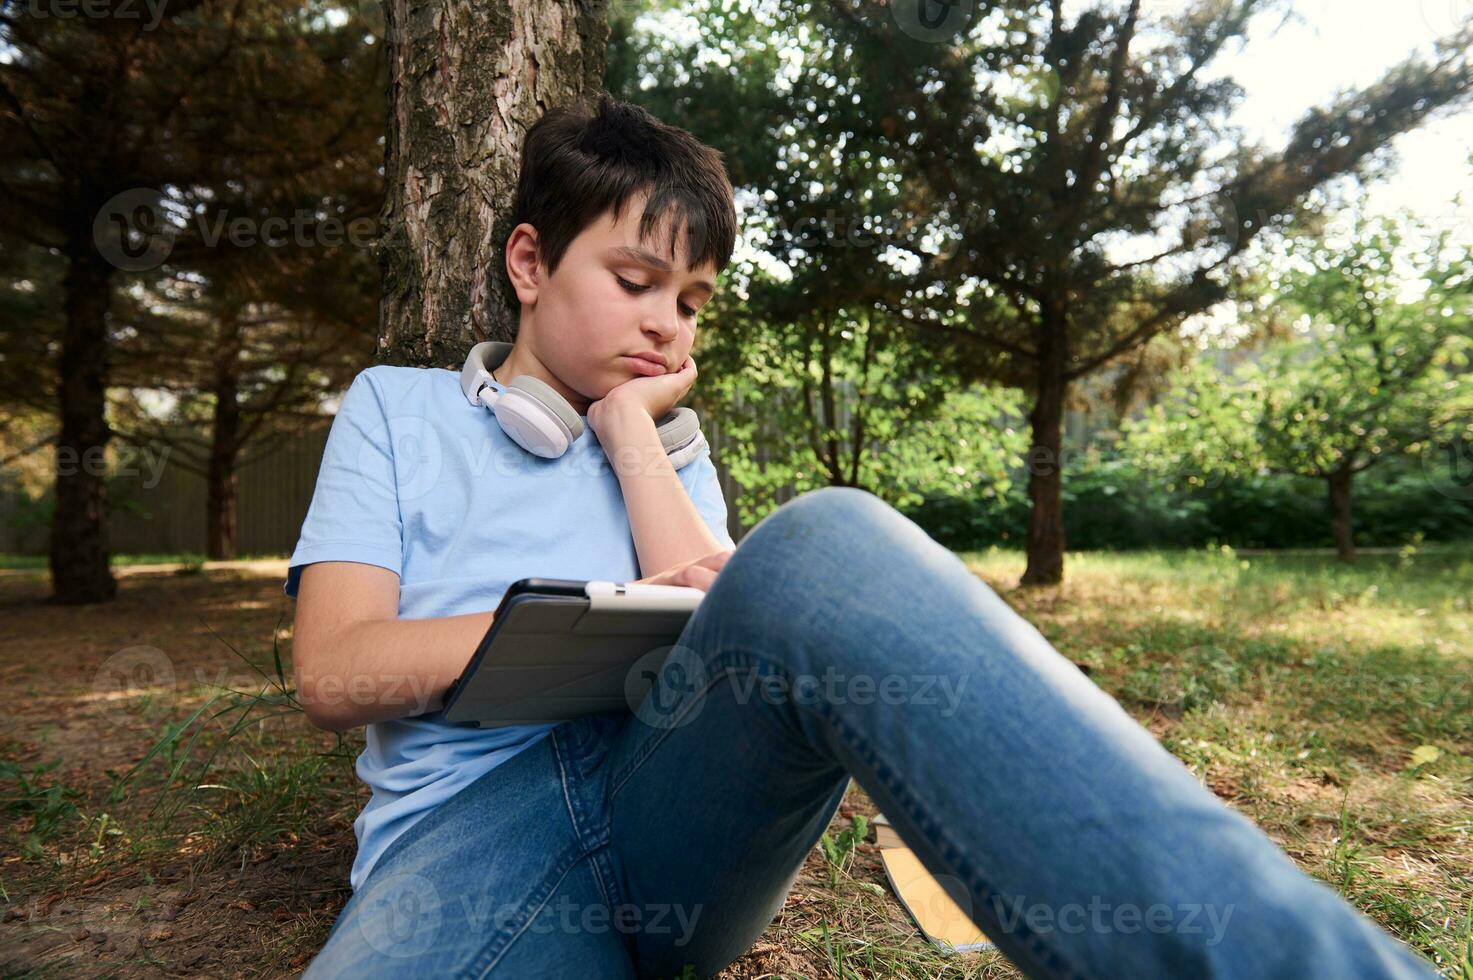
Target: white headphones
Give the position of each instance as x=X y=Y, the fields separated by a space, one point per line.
x=542 y=422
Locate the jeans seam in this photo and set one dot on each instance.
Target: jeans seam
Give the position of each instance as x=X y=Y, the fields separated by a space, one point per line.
x=734 y=657
x=579 y=832
x=491 y=950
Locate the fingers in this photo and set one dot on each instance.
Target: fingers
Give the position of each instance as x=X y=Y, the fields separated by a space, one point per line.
x=716 y=560
x=698 y=577
x=698 y=574
x=702 y=572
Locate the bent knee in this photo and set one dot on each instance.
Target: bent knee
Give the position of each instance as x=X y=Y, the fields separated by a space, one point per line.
x=839 y=510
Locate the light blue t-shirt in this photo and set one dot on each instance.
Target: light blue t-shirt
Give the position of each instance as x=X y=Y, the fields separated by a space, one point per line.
x=417 y=480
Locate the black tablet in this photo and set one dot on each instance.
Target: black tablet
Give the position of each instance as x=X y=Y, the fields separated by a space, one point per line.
x=561 y=648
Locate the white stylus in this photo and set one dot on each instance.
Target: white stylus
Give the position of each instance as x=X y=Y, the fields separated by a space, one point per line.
x=634 y=595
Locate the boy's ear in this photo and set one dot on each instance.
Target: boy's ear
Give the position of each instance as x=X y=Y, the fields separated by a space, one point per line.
x=523 y=262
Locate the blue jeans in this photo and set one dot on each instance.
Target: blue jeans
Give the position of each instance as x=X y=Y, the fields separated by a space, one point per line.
x=841 y=641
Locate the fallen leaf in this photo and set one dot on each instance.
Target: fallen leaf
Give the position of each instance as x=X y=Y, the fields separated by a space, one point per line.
x=1424 y=755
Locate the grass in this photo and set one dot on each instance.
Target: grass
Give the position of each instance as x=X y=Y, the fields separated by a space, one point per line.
x=186 y=558
x=1332 y=704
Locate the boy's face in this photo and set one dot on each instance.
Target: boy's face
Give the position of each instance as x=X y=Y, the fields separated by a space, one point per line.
x=611 y=297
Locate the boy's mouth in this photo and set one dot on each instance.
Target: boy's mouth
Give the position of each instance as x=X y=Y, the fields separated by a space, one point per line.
x=645 y=366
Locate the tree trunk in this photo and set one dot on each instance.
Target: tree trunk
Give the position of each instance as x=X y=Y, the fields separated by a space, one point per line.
x=79 y=561
x=1045 y=487
x=220 y=540
x=1340 y=514
x=466 y=85
x=1046 y=458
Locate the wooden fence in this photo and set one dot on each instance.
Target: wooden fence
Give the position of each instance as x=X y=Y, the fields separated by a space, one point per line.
x=153 y=513
x=161 y=509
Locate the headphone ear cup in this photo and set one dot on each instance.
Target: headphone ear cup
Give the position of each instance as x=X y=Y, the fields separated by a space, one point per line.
x=550 y=401
x=690 y=452
x=680 y=434
x=530 y=424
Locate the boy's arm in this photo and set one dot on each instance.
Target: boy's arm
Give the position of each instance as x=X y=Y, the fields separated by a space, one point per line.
x=356 y=662
x=667 y=528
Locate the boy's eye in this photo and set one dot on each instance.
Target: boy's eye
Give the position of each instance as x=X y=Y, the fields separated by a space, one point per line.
x=635 y=287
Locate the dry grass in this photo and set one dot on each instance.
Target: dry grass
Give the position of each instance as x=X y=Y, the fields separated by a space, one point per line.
x=1297 y=689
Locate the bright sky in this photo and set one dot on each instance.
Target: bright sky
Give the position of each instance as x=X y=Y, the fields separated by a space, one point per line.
x=1338 y=44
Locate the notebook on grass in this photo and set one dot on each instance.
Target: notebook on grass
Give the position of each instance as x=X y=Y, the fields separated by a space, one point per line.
x=935 y=911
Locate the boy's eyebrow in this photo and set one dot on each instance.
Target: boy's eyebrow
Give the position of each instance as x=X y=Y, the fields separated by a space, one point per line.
x=654 y=261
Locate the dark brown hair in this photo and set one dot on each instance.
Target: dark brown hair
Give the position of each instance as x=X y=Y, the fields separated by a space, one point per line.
x=578 y=164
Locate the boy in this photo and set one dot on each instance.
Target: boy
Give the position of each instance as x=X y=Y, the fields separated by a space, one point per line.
x=645 y=845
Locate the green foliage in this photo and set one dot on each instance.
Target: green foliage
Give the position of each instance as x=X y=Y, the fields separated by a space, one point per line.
x=1112 y=502
x=49 y=807
x=1365 y=373
x=1368 y=373
x=854 y=405
x=838 y=849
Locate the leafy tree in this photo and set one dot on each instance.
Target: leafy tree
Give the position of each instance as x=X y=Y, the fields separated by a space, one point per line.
x=839 y=403
x=116 y=129
x=1364 y=375
x=1045 y=190
x=245 y=361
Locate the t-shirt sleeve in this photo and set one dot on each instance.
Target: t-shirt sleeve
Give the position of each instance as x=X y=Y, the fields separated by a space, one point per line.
x=704 y=487
x=354 y=514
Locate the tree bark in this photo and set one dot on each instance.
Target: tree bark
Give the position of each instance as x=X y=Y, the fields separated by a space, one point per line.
x=467 y=82
x=79 y=559
x=221 y=478
x=1339 y=484
x=1046 y=540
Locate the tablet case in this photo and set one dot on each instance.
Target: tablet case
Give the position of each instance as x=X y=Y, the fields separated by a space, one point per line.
x=555 y=652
